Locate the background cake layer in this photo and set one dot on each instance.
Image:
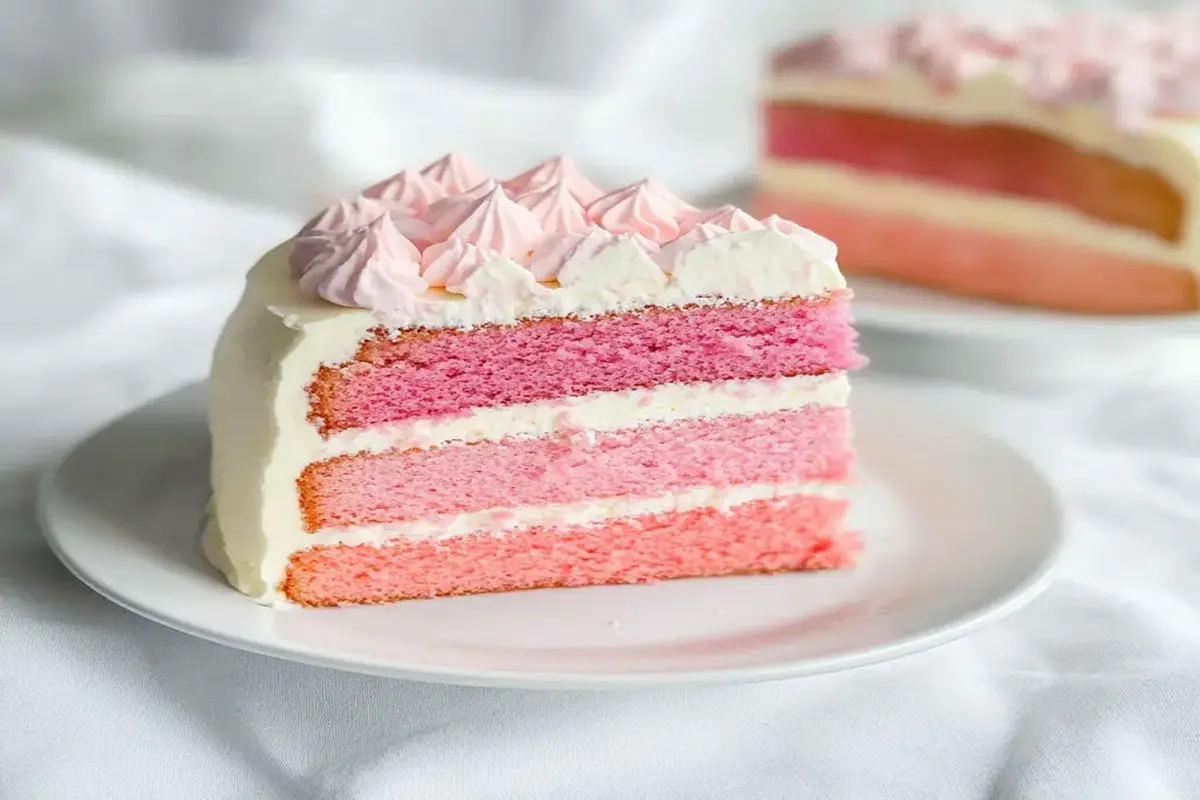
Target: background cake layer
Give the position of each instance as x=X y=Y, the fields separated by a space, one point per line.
x=993 y=157
x=431 y=373
x=943 y=251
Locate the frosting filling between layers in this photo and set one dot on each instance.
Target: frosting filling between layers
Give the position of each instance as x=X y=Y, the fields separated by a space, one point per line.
x=501 y=521
x=598 y=411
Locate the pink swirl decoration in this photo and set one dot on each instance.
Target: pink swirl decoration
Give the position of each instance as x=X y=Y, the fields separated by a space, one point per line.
x=407 y=190
x=451 y=262
x=347 y=215
x=645 y=208
x=437 y=227
x=446 y=215
x=494 y=222
x=372 y=267
x=560 y=169
x=556 y=209
x=454 y=173
x=554 y=251
x=731 y=218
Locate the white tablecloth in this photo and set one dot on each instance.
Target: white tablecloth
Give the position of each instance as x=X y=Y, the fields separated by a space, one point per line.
x=114 y=283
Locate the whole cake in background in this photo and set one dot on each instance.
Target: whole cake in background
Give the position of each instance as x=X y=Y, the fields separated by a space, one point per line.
x=1051 y=163
x=452 y=384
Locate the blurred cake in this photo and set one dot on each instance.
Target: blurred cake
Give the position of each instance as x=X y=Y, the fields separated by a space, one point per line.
x=1051 y=162
x=451 y=384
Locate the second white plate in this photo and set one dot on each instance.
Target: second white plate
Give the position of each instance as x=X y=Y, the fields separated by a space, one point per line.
x=960 y=530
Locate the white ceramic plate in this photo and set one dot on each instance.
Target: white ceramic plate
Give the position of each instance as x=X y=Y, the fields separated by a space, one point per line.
x=960 y=531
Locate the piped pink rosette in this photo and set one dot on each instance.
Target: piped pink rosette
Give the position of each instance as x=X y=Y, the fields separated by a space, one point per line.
x=373 y=266
x=436 y=227
x=1136 y=65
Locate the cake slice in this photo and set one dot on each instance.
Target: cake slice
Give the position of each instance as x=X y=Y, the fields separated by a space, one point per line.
x=439 y=388
x=1053 y=163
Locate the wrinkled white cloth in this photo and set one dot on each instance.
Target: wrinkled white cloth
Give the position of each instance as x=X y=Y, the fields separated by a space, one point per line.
x=130 y=205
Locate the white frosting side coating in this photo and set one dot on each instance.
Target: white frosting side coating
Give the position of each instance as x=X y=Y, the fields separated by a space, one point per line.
x=1170 y=146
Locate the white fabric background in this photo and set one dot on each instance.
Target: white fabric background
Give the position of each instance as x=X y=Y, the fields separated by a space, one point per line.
x=133 y=195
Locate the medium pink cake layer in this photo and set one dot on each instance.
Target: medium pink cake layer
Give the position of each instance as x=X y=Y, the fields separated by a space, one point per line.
x=811 y=443
x=431 y=373
x=794 y=533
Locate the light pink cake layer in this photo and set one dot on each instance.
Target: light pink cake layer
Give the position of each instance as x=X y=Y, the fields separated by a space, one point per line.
x=431 y=373
x=808 y=444
x=1021 y=270
x=793 y=533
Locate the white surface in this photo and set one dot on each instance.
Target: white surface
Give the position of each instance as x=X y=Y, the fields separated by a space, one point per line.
x=1091 y=692
x=960 y=531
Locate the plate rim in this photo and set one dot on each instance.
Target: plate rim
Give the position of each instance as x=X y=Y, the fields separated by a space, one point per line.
x=1022 y=593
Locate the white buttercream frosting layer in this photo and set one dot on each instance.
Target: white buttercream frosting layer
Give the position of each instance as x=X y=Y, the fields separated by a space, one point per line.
x=569 y=515
x=600 y=411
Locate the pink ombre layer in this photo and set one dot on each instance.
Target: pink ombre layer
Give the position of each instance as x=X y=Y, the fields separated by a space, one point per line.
x=809 y=444
x=794 y=533
x=425 y=373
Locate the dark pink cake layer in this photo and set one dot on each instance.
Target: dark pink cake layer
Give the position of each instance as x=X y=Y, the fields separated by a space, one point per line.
x=811 y=443
x=791 y=533
x=431 y=373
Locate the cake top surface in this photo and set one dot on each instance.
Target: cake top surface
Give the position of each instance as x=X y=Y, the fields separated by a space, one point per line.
x=447 y=244
x=1135 y=64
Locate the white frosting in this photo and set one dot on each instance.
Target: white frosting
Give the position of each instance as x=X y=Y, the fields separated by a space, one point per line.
x=590 y=512
x=600 y=411
x=1170 y=146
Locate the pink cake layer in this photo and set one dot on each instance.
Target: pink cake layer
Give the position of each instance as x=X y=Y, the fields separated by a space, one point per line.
x=1020 y=270
x=991 y=158
x=794 y=533
x=809 y=444
x=430 y=373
